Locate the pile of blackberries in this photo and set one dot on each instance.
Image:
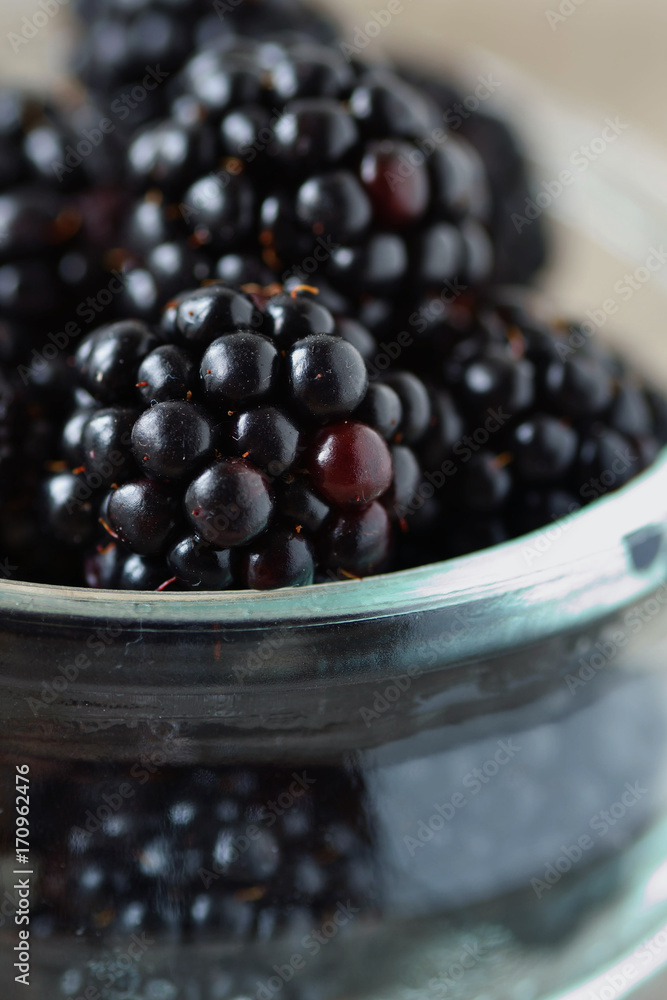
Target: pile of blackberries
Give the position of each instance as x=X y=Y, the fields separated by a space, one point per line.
x=254 y=330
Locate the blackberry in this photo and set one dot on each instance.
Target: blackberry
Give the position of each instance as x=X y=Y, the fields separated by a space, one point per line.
x=226 y=448
x=336 y=178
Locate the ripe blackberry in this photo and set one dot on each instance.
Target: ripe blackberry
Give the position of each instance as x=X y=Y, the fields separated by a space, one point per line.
x=340 y=178
x=519 y=416
x=226 y=853
x=226 y=448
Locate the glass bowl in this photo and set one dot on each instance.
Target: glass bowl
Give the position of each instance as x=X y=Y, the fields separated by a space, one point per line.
x=449 y=782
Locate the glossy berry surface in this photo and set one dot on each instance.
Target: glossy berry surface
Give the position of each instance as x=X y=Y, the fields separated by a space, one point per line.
x=143 y=515
x=284 y=559
x=171 y=440
x=239 y=368
x=350 y=464
x=328 y=377
x=230 y=503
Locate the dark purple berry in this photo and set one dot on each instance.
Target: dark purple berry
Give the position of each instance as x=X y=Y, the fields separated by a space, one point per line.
x=439 y=255
x=359 y=337
x=334 y=205
x=607 y=461
x=283 y=559
x=143 y=514
x=220 y=209
x=357 y=542
x=69 y=511
x=200 y=566
x=200 y=317
x=267 y=438
x=141 y=573
x=544 y=449
x=327 y=377
x=415 y=404
x=294 y=317
x=350 y=464
x=167 y=373
x=239 y=368
x=311 y=70
x=408 y=477
x=230 y=503
x=108 y=359
x=301 y=505
x=399 y=191
x=377 y=267
x=382 y=410
x=630 y=412
x=498 y=382
x=485 y=483
x=384 y=105
x=585 y=387
x=171 y=440
x=106 y=441
x=460 y=186
x=314 y=133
